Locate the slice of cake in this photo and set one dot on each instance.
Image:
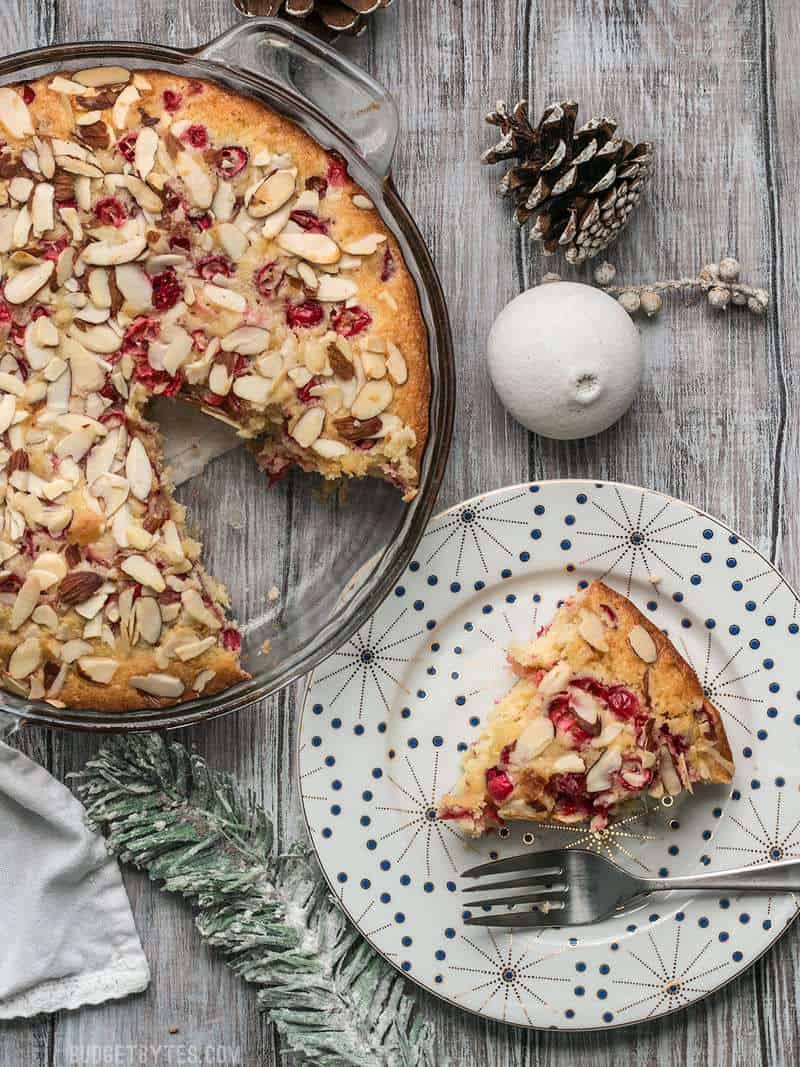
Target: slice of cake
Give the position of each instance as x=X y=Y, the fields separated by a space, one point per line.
x=605 y=711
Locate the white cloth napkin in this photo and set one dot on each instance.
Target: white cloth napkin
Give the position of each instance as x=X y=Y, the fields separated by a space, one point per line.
x=67 y=935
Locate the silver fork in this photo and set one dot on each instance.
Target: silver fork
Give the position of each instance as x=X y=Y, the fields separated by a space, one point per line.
x=570 y=887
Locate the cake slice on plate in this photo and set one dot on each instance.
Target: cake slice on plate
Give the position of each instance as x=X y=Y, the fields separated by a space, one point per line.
x=605 y=711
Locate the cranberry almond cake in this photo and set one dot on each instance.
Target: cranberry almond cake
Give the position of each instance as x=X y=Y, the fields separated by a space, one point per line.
x=160 y=235
x=605 y=710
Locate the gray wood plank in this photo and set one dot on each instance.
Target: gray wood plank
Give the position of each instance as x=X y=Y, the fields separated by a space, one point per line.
x=714 y=87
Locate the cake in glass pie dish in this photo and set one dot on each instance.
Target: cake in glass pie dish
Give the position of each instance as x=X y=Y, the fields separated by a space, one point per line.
x=605 y=711
x=160 y=235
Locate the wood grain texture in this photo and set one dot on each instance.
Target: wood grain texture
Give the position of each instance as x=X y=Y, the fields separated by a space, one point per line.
x=714 y=85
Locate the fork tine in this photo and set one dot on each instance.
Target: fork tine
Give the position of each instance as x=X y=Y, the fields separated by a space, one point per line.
x=527 y=898
x=542 y=862
x=527 y=919
x=535 y=878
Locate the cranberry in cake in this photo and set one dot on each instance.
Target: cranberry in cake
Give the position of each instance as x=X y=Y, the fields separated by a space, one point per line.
x=160 y=235
x=605 y=711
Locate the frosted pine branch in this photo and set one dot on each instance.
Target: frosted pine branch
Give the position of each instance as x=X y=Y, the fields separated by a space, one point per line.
x=333 y=1000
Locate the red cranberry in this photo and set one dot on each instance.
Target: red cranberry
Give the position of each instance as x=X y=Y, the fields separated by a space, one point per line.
x=5 y=313
x=172 y=200
x=573 y=730
x=40 y=312
x=505 y=755
x=110 y=211
x=609 y=615
x=138 y=336
x=618 y=698
x=231 y=639
x=674 y=742
x=181 y=242
x=10 y=584
x=230 y=161
x=389 y=267
x=571 y=785
x=268 y=279
x=199 y=340
x=196 y=136
x=172 y=100
x=167 y=289
x=337 y=169
x=126 y=145
x=18 y=334
x=632 y=776
x=304 y=394
x=201 y=220
x=209 y=266
x=194 y=88
x=309 y=313
x=308 y=221
x=28 y=95
x=53 y=249
x=499 y=784
x=319 y=185
x=351 y=321
x=569 y=806
x=455 y=813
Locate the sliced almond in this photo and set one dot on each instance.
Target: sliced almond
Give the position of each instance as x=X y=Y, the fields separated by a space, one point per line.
x=329 y=449
x=195 y=607
x=144 y=572
x=592 y=630
x=396 y=364
x=157 y=685
x=314 y=247
x=248 y=340
x=135 y=287
x=122 y=105
x=226 y=299
x=72 y=650
x=101 y=457
x=374 y=365
x=234 y=242
x=107 y=253
x=373 y=398
x=145 y=151
x=25 y=658
x=275 y=222
x=52 y=562
x=141 y=192
x=26 y=600
x=95 y=77
x=669 y=775
x=14 y=114
x=587 y=706
x=99 y=288
x=274 y=191
x=643 y=644
x=599 y=777
x=202 y=680
x=364 y=246
x=253 y=387
x=8 y=408
x=556 y=679
x=533 y=740
x=20 y=189
x=197 y=179
x=219 y=380
x=309 y=426
x=28 y=282
x=100 y=339
x=193 y=649
x=569 y=763
x=80 y=167
x=10 y=384
x=333 y=288
x=100 y=669
x=148 y=619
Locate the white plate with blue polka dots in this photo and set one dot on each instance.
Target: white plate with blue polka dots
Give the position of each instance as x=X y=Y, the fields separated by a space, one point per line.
x=386 y=718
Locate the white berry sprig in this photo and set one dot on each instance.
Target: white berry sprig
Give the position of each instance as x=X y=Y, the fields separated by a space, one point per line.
x=719 y=281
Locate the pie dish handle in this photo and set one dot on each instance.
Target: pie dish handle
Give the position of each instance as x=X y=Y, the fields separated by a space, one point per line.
x=355 y=102
x=9 y=723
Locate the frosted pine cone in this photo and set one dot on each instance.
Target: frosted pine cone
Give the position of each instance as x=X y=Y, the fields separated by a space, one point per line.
x=578 y=185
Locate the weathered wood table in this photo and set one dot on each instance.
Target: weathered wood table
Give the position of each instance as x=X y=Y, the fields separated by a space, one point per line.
x=715 y=86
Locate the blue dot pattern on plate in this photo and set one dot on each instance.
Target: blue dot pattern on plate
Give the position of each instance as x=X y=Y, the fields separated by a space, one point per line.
x=387 y=718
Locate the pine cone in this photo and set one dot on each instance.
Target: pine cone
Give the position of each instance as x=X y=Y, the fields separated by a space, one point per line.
x=580 y=185
x=323 y=17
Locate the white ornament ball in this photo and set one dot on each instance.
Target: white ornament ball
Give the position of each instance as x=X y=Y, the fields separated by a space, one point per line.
x=565 y=359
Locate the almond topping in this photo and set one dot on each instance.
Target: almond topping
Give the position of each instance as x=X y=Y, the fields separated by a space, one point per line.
x=25 y=658
x=28 y=282
x=98 y=669
x=556 y=679
x=194 y=648
x=643 y=644
x=139 y=470
x=599 y=777
x=364 y=246
x=309 y=426
x=157 y=685
x=79 y=586
x=273 y=192
x=332 y=289
x=396 y=364
x=148 y=619
x=355 y=430
x=202 y=680
x=195 y=607
x=144 y=572
x=26 y=600
x=253 y=388
x=145 y=151
x=593 y=631
x=14 y=114
x=107 y=253
x=315 y=247
x=374 y=398
x=96 y=77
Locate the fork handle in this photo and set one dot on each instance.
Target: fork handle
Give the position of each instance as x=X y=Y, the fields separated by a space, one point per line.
x=780 y=876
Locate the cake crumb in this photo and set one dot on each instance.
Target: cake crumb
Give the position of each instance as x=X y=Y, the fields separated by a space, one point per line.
x=266 y=647
x=274 y=594
x=174 y=1030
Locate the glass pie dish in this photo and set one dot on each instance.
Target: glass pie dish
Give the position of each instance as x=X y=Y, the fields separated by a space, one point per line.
x=304 y=568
